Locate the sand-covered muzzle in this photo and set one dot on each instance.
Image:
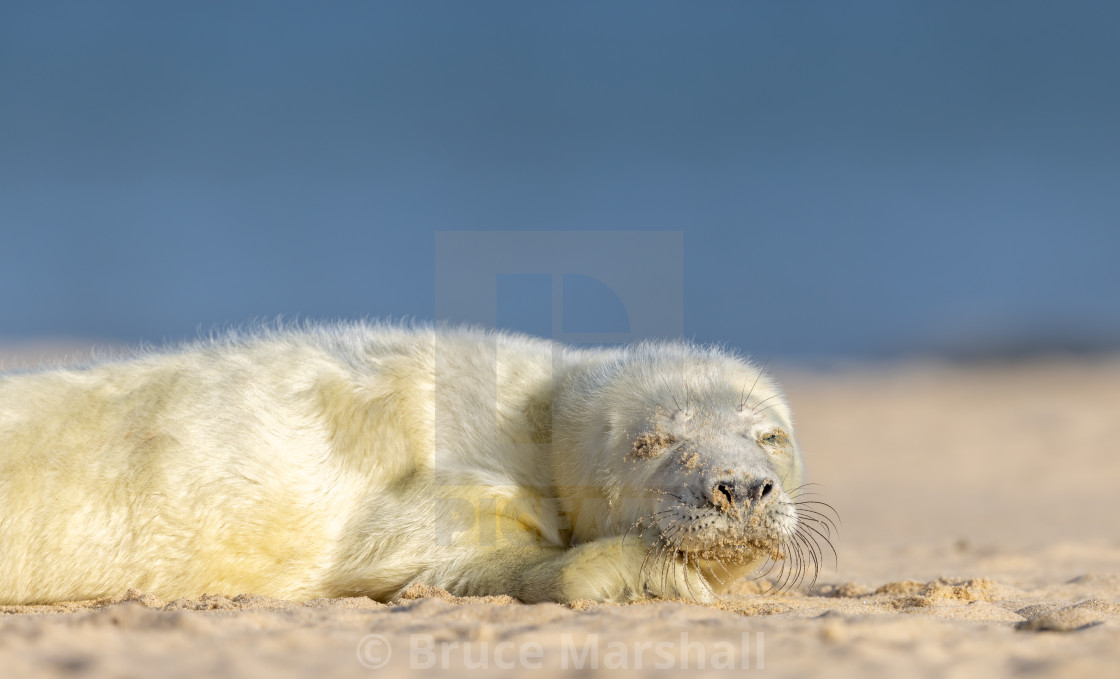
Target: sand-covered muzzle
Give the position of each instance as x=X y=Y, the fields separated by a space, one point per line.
x=738 y=535
x=720 y=496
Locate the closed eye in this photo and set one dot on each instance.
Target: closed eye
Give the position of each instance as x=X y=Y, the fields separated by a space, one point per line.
x=776 y=438
x=650 y=445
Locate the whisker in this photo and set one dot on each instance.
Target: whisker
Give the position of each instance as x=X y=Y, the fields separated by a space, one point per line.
x=835 y=556
x=818 y=518
x=798 y=564
x=781 y=571
x=818 y=559
x=761 y=370
x=772 y=396
x=823 y=504
x=718 y=579
x=653 y=547
x=687 y=584
x=771 y=563
x=667 y=558
x=670 y=389
x=813 y=556
x=667 y=552
x=766 y=408
x=814 y=548
x=805 y=485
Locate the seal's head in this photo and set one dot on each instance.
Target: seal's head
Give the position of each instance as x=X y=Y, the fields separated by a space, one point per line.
x=693 y=451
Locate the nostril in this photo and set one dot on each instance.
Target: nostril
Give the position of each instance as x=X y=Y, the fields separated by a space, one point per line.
x=724 y=495
x=730 y=493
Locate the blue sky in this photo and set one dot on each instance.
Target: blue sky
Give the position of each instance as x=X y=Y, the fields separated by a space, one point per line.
x=848 y=179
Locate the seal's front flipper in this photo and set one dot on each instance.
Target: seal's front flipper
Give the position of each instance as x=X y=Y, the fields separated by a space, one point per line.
x=601 y=570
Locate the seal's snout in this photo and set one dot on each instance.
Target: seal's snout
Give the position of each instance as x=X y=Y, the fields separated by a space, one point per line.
x=730 y=492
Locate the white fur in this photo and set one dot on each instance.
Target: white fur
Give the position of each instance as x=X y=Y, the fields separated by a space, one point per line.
x=357 y=460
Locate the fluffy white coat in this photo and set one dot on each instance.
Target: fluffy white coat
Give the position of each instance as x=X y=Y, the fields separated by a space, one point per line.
x=360 y=459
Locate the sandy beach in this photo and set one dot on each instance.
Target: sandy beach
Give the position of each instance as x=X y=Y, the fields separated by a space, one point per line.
x=979 y=537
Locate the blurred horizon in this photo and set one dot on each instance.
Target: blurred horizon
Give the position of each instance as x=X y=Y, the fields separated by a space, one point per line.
x=868 y=180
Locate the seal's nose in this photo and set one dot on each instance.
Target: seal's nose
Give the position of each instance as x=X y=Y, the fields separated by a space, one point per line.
x=732 y=492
